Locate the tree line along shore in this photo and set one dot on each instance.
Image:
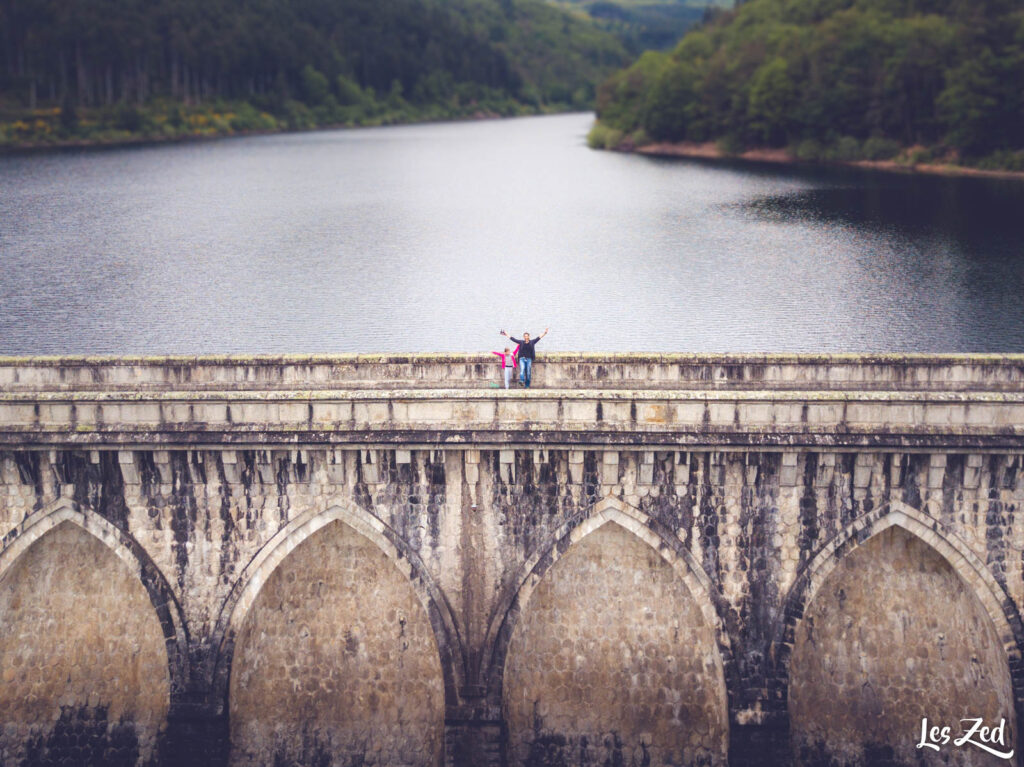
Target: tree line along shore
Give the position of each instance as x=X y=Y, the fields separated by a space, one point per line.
x=112 y=71
x=932 y=84
x=907 y=84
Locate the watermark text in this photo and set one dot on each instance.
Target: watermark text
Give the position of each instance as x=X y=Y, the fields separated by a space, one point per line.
x=974 y=733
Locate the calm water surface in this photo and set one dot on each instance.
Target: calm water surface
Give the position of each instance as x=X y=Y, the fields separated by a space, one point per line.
x=433 y=237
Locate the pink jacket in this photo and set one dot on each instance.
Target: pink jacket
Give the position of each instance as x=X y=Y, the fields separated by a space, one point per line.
x=506 y=363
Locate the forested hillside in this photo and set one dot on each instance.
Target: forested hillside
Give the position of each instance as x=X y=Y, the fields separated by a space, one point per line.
x=836 y=80
x=647 y=24
x=98 y=69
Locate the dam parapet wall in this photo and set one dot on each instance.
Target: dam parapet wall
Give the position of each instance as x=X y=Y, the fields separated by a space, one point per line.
x=566 y=370
x=644 y=559
x=577 y=400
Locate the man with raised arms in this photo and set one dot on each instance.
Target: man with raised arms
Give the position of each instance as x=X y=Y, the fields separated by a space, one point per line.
x=526 y=355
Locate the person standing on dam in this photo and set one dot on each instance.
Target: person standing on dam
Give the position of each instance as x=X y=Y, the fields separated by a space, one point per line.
x=526 y=355
x=508 y=363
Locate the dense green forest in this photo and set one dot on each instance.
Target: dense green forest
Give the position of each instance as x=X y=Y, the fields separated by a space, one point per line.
x=108 y=70
x=835 y=80
x=647 y=24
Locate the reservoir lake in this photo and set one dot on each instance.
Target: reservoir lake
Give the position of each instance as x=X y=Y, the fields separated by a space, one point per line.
x=433 y=237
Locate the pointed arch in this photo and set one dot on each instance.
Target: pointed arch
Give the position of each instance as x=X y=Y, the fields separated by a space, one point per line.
x=973 y=572
x=510 y=607
x=248 y=586
x=165 y=603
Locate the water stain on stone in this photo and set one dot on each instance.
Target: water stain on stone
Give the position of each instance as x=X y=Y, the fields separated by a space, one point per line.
x=84 y=737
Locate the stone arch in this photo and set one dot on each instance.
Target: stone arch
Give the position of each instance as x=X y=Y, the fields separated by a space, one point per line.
x=613 y=527
x=336 y=660
x=514 y=599
x=90 y=659
x=128 y=550
x=946 y=549
x=965 y=562
x=247 y=588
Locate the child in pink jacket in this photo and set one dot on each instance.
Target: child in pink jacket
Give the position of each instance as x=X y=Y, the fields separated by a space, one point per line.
x=508 y=363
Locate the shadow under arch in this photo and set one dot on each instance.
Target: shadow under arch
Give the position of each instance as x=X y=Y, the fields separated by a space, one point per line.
x=128 y=550
x=514 y=600
x=973 y=572
x=248 y=586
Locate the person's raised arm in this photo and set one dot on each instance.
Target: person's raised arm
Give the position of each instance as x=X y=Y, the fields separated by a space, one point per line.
x=542 y=334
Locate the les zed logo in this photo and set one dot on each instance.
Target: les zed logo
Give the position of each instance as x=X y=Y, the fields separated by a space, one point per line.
x=985 y=738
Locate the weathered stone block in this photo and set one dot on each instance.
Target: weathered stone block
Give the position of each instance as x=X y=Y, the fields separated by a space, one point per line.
x=332 y=412
x=824 y=414
x=788 y=471
x=616 y=412
x=646 y=474
x=54 y=414
x=936 y=471
x=376 y=413
x=126 y=460
x=861 y=476
x=688 y=413
x=583 y=411
x=211 y=412
x=17 y=415
x=759 y=414
x=722 y=413
x=654 y=413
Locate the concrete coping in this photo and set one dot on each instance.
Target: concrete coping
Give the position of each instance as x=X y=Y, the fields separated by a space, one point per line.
x=440 y=395
x=697 y=358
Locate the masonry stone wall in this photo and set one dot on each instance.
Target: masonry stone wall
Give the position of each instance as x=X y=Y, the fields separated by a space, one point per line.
x=494 y=521
x=894 y=636
x=613 y=662
x=82 y=658
x=336 y=664
x=469 y=532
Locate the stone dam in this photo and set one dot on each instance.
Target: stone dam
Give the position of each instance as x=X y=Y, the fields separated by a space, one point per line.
x=644 y=560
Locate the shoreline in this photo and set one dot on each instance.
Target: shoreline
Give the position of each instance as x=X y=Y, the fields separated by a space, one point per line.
x=71 y=145
x=710 y=151
x=16 y=150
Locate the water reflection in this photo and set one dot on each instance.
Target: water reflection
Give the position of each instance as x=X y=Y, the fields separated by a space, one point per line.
x=432 y=237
